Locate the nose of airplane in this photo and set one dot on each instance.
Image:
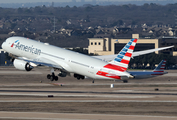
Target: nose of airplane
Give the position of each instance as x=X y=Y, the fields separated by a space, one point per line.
x=2 y=45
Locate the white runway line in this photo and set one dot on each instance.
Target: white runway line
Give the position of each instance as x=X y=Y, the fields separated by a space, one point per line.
x=84 y=101
x=76 y=95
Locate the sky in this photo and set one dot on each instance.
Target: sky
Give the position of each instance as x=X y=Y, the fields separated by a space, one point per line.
x=30 y=1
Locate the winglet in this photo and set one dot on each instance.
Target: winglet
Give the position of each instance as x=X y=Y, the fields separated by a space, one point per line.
x=122 y=60
x=160 y=67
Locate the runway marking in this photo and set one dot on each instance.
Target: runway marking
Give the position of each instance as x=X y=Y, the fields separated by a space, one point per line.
x=71 y=95
x=84 y=101
x=23 y=85
x=87 y=92
x=33 y=118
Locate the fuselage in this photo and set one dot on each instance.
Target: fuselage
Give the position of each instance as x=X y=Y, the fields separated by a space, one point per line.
x=145 y=74
x=72 y=62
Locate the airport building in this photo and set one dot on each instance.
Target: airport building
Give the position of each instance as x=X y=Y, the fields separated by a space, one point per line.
x=108 y=46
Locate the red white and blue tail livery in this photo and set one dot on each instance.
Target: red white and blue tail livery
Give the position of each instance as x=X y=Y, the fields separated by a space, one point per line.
x=160 y=67
x=123 y=58
x=117 y=67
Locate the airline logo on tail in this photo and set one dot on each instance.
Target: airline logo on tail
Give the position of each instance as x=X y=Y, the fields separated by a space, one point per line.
x=120 y=63
x=122 y=60
x=126 y=53
x=160 y=67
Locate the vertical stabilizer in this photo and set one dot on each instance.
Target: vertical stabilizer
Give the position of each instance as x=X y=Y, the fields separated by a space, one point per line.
x=122 y=60
x=160 y=67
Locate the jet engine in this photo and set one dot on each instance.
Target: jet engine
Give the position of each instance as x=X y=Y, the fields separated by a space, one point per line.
x=126 y=77
x=62 y=74
x=22 y=65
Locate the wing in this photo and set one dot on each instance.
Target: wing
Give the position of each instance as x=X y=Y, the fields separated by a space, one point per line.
x=41 y=61
x=149 y=51
x=111 y=57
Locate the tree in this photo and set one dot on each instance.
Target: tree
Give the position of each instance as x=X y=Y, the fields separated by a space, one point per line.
x=152 y=59
x=67 y=6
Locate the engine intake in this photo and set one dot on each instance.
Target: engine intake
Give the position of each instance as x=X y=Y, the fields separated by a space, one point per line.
x=22 y=65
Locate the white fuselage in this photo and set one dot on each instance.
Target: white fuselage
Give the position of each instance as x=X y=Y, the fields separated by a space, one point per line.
x=72 y=62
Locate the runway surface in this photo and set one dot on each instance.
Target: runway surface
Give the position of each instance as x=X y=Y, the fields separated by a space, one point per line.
x=69 y=116
x=30 y=96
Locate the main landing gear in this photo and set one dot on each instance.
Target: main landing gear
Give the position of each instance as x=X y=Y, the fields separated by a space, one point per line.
x=79 y=76
x=125 y=81
x=52 y=77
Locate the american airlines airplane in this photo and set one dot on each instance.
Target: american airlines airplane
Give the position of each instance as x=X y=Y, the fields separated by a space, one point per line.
x=30 y=53
x=159 y=70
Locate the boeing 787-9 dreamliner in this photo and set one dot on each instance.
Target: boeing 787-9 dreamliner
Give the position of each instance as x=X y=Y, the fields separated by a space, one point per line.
x=30 y=53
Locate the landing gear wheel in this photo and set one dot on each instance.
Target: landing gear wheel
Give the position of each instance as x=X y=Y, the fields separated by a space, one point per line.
x=78 y=77
x=48 y=76
x=93 y=81
x=56 y=78
x=125 y=81
x=52 y=78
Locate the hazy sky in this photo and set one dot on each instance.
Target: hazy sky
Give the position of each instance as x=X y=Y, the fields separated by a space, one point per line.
x=29 y=1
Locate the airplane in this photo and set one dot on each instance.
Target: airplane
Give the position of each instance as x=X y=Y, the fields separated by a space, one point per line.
x=29 y=53
x=159 y=70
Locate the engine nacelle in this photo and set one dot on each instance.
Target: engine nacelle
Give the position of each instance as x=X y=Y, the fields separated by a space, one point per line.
x=126 y=77
x=22 y=65
x=62 y=74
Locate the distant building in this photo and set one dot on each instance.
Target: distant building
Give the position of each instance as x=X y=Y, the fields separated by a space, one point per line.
x=52 y=4
x=108 y=46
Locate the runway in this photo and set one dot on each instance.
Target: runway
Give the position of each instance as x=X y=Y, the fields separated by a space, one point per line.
x=85 y=101
x=69 y=116
x=30 y=96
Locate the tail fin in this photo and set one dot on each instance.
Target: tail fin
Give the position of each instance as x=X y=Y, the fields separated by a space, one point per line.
x=160 y=67
x=123 y=58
